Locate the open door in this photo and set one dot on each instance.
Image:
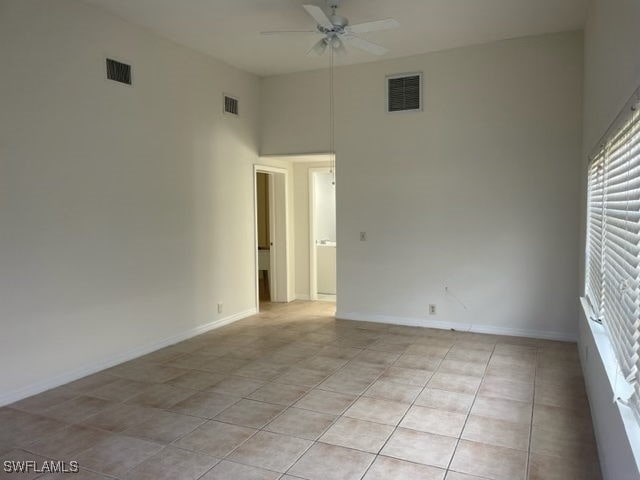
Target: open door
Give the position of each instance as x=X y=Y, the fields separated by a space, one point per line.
x=322 y=234
x=271 y=234
x=264 y=215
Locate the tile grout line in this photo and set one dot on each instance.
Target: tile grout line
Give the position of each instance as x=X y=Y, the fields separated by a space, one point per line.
x=484 y=374
x=377 y=335
x=407 y=411
x=312 y=442
x=358 y=396
x=287 y=407
x=163 y=446
x=533 y=405
x=384 y=367
x=166 y=410
x=261 y=429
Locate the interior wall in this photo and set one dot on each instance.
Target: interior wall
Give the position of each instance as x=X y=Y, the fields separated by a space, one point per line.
x=126 y=212
x=612 y=73
x=478 y=193
x=612 y=63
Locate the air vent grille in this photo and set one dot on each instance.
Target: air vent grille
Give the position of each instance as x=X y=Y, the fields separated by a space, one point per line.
x=118 y=71
x=404 y=93
x=230 y=105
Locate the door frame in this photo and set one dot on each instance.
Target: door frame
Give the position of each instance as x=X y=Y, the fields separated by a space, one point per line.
x=313 y=254
x=278 y=212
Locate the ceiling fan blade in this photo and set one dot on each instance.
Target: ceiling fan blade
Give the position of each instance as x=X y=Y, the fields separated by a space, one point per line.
x=364 y=45
x=278 y=32
x=318 y=15
x=318 y=48
x=373 y=26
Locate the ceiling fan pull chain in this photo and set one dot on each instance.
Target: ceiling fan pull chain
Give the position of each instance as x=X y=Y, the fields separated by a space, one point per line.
x=332 y=117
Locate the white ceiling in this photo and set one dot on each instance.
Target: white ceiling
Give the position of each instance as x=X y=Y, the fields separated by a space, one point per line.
x=230 y=29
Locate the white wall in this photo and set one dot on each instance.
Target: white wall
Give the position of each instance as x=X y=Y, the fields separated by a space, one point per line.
x=126 y=213
x=479 y=192
x=325 y=214
x=612 y=73
x=612 y=63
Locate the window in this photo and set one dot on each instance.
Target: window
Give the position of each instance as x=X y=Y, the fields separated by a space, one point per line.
x=612 y=268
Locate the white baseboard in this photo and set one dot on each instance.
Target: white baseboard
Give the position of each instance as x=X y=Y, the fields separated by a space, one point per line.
x=326 y=298
x=461 y=327
x=38 y=387
x=320 y=297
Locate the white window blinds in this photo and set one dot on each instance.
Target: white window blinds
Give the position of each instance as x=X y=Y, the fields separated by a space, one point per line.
x=613 y=245
x=595 y=207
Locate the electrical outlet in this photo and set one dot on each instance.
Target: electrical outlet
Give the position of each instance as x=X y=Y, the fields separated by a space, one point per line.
x=432 y=309
x=220 y=308
x=363 y=236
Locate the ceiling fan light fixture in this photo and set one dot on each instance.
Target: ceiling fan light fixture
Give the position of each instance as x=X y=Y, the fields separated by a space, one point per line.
x=319 y=47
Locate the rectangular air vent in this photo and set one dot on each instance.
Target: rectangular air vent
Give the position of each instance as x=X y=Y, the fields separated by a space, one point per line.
x=230 y=105
x=118 y=71
x=404 y=92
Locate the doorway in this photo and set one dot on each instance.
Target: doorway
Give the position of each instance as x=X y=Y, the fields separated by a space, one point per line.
x=322 y=234
x=271 y=235
x=264 y=214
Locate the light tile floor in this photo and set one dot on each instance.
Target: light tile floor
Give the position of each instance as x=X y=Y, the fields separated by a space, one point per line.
x=294 y=393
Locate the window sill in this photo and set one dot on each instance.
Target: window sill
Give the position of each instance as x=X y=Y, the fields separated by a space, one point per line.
x=617 y=382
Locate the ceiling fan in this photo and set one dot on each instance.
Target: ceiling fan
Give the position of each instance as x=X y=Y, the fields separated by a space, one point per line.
x=336 y=31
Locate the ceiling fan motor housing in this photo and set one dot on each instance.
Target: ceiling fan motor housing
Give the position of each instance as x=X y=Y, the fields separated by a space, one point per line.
x=339 y=23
